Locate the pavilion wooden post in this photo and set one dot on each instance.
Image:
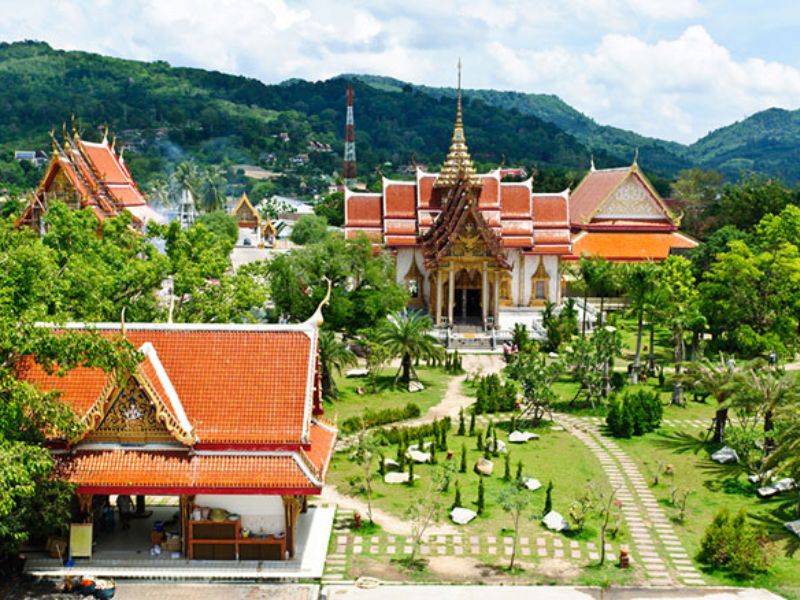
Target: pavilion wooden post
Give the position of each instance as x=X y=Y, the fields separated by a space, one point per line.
x=85 y=506
x=186 y=507
x=291 y=510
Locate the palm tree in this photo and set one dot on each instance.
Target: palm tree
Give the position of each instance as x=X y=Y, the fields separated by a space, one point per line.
x=785 y=457
x=766 y=390
x=333 y=356
x=186 y=176
x=214 y=184
x=407 y=335
x=718 y=380
x=640 y=281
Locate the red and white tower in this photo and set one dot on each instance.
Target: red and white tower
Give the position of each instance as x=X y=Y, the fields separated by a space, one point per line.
x=350 y=143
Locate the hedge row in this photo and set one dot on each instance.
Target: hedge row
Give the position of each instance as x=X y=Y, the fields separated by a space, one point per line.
x=372 y=418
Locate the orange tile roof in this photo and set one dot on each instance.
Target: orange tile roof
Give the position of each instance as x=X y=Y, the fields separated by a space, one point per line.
x=490 y=192
x=550 y=211
x=363 y=211
x=515 y=201
x=237 y=386
x=323 y=440
x=628 y=246
x=401 y=201
x=594 y=188
x=121 y=468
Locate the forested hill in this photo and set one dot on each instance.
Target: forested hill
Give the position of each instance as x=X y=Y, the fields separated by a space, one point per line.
x=165 y=114
x=213 y=116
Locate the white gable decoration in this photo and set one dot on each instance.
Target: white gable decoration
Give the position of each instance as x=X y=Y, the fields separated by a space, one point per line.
x=631 y=200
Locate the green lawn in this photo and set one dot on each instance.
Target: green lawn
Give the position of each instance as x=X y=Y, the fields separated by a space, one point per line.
x=713 y=487
x=350 y=403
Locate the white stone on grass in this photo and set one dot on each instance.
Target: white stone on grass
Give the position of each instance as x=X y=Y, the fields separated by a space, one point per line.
x=357 y=373
x=415 y=386
x=484 y=466
x=555 y=522
x=531 y=483
x=782 y=485
x=391 y=464
x=419 y=457
x=793 y=526
x=725 y=455
x=398 y=477
x=501 y=446
x=520 y=437
x=462 y=516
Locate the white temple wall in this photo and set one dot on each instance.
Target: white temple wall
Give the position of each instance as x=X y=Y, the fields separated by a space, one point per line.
x=260 y=514
x=528 y=269
x=551 y=266
x=403 y=265
x=514 y=258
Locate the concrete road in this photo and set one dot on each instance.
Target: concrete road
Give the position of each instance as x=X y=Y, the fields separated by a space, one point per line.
x=491 y=592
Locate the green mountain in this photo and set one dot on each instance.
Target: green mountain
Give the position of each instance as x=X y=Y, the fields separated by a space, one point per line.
x=766 y=142
x=662 y=157
x=166 y=114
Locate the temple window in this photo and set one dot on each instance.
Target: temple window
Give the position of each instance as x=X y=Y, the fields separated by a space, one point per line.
x=505 y=289
x=413 y=281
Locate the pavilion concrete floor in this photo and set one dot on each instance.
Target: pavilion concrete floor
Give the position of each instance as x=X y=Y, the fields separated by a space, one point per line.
x=126 y=554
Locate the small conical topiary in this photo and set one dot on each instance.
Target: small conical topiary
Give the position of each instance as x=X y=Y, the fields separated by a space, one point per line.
x=463 y=467
x=462 y=428
x=481 y=499
x=472 y=424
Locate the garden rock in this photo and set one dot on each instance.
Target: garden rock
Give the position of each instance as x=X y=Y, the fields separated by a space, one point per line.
x=357 y=373
x=391 y=464
x=415 y=386
x=425 y=446
x=725 y=455
x=531 y=483
x=520 y=437
x=419 y=457
x=398 y=477
x=484 y=467
x=462 y=516
x=555 y=522
x=501 y=446
x=793 y=526
x=556 y=428
x=782 y=485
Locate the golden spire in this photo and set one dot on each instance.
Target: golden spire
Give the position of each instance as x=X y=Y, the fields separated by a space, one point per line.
x=458 y=164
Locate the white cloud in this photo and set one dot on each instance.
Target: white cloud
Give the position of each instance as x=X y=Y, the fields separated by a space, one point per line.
x=619 y=61
x=676 y=89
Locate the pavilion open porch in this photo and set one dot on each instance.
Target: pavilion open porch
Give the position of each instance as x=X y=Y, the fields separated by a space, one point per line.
x=126 y=553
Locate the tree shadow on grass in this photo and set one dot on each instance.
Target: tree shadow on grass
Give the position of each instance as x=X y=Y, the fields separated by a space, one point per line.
x=680 y=442
x=773 y=524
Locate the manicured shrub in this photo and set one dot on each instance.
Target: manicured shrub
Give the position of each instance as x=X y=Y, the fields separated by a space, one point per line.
x=479 y=441
x=462 y=430
x=548 y=499
x=481 y=496
x=518 y=476
x=635 y=412
x=733 y=544
x=372 y=418
x=507 y=472
x=410 y=472
x=393 y=435
x=457 y=500
x=463 y=467
x=472 y=424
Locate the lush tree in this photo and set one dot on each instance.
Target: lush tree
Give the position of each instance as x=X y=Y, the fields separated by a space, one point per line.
x=309 y=229
x=220 y=224
x=515 y=500
x=681 y=312
x=640 y=283
x=334 y=355
x=364 y=288
x=715 y=378
x=407 y=336
x=535 y=376
x=331 y=207
x=696 y=192
x=704 y=255
x=744 y=204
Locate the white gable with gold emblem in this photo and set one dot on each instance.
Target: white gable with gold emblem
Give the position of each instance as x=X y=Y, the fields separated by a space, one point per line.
x=631 y=199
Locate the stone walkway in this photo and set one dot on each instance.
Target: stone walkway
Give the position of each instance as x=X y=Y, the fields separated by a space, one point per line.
x=655 y=545
x=672 y=423
x=336 y=564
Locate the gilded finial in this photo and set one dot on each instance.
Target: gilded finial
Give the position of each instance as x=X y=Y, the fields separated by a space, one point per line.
x=636 y=157
x=53 y=143
x=72 y=125
x=458 y=164
x=114 y=142
x=105 y=134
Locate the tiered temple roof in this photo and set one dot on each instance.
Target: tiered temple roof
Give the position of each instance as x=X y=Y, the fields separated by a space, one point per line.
x=88 y=174
x=221 y=407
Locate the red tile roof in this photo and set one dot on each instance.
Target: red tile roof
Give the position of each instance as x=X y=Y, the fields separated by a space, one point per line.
x=593 y=190
x=180 y=471
x=400 y=201
x=245 y=385
x=623 y=246
x=363 y=210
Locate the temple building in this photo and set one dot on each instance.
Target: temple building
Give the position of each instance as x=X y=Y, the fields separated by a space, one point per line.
x=253 y=229
x=618 y=214
x=225 y=417
x=87 y=174
x=479 y=251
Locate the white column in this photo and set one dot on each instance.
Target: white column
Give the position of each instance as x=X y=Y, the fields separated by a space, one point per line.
x=485 y=296
x=438 y=298
x=451 y=297
x=496 y=298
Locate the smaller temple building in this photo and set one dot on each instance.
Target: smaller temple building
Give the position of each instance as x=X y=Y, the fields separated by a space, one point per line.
x=618 y=215
x=225 y=419
x=87 y=174
x=254 y=230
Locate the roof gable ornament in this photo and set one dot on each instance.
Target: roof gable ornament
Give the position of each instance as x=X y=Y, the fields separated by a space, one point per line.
x=458 y=164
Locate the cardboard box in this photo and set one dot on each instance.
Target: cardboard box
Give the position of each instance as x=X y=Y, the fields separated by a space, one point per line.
x=172 y=545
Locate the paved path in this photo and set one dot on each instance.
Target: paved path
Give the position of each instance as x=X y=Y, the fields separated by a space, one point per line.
x=655 y=544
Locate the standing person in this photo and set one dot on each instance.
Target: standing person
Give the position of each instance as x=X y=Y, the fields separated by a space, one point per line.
x=125 y=507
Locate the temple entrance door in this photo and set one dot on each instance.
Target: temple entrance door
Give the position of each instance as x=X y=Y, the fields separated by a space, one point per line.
x=467 y=299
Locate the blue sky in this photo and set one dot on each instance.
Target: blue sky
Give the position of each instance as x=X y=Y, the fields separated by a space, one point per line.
x=675 y=69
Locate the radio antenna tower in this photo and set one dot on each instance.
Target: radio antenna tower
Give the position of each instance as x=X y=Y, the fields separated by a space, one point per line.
x=350 y=143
